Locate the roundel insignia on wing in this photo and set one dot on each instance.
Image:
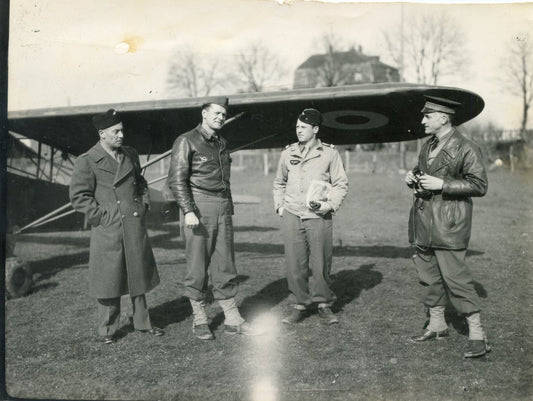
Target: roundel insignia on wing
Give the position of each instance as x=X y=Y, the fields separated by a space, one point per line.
x=354 y=119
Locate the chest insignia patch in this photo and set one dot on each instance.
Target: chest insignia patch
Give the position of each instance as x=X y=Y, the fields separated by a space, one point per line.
x=295 y=161
x=202 y=158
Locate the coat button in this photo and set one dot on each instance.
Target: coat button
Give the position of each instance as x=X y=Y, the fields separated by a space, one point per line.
x=114 y=187
x=118 y=202
x=136 y=199
x=123 y=216
x=135 y=214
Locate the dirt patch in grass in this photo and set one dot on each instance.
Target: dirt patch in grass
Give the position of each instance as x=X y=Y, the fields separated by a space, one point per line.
x=52 y=350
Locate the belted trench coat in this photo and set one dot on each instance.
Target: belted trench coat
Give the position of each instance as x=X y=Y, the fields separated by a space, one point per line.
x=114 y=198
x=443 y=219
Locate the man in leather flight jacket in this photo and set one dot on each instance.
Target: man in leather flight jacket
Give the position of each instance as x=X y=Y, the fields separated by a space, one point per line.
x=449 y=172
x=199 y=180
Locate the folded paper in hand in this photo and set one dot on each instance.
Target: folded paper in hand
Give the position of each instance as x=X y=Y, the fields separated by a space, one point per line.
x=318 y=191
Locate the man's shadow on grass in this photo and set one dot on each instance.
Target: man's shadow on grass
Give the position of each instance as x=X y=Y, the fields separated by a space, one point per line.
x=179 y=309
x=173 y=238
x=383 y=251
x=254 y=228
x=170 y=312
x=347 y=284
x=45 y=269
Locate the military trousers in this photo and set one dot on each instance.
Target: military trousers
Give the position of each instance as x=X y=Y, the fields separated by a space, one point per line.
x=209 y=250
x=446 y=277
x=308 y=251
x=109 y=315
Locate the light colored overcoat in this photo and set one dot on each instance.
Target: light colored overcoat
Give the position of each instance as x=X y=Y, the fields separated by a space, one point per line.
x=113 y=196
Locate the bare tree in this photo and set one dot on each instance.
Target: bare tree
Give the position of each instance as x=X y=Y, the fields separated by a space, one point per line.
x=518 y=74
x=427 y=47
x=192 y=75
x=258 y=66
x=332 y=71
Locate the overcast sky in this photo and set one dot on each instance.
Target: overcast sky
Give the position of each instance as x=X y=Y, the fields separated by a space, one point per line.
x=63 y=52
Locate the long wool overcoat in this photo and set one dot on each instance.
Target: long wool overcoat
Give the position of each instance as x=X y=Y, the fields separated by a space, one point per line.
x=113 y=197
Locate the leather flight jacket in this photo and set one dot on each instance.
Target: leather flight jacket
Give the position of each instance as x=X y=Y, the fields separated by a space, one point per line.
x=443 y=219
x=199 y=163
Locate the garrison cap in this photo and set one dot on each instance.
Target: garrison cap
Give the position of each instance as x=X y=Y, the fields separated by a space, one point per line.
x=220 y=101
x=311 y=116
x=434 y=104
x=106 y=120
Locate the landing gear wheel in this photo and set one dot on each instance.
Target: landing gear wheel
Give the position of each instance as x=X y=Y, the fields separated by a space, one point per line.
x=18 y=278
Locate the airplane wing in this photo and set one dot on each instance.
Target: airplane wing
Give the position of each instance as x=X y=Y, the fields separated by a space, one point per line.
x=369 y=113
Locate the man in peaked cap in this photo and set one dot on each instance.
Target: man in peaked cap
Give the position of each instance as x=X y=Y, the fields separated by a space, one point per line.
x=107 y=186
x=199 y=178
x=449 y=172
x=309 y=187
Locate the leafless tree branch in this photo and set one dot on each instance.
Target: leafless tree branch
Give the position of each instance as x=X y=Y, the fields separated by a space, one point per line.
x=433 y=47
x=332 y=72
x=193 y=75
x=517 y=73
x=257 y=66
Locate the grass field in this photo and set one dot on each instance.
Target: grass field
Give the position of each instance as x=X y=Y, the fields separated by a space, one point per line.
x=51 y=340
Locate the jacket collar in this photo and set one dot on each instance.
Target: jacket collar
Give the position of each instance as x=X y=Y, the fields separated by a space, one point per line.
x=211 y=138
x=446 y=155
x=207 y=136
x=444 y=136
x=312 y=153
x=124 y=167
x=104 y=161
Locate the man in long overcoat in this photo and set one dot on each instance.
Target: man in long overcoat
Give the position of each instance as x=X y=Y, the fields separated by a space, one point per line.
x=449 y=173
x=107 y=186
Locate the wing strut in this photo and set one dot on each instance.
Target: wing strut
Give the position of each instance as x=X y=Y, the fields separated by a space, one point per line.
x=44 y=219
x=53 y=214
x=231 y=151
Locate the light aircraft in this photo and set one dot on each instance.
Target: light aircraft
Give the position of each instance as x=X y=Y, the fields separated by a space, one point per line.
x=369 y=113
x=357 y=114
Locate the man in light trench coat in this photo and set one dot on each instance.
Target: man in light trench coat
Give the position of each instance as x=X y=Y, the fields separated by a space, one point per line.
x=107 y=186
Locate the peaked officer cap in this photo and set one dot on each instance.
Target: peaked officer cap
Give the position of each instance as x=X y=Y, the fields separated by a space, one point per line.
x=434 y=104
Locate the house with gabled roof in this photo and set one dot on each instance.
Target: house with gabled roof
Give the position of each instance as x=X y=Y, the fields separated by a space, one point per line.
x=343 y=68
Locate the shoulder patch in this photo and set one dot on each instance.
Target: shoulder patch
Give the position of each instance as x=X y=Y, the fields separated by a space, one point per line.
x=287 y=147
x=328 y=145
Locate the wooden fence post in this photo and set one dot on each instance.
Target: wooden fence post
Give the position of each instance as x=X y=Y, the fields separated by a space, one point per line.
x=265 y=163
x=347 y=160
